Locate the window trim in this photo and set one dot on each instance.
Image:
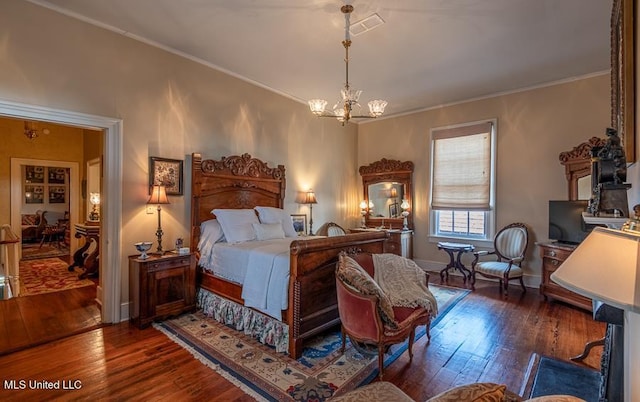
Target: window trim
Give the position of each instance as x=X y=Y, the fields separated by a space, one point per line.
x=491 y=213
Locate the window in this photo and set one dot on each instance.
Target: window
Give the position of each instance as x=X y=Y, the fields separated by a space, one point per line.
x=462 y=181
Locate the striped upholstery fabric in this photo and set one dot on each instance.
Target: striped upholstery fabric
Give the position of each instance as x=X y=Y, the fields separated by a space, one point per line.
x=510 y=246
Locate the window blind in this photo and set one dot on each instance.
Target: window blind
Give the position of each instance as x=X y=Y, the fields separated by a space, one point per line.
x=462 y=167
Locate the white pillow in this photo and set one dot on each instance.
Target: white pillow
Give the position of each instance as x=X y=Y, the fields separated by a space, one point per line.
x=211 y=231
x=268 y=231
x=237 y=224
x=277 y=215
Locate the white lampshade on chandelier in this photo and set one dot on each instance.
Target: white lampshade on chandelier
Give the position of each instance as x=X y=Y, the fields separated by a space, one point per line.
x=349 y=97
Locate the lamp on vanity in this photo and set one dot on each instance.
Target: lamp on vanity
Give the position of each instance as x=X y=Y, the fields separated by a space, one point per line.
x=363 y=213
x=310 y=199
x=159 y=197
x=606 y=267
x=405 y=212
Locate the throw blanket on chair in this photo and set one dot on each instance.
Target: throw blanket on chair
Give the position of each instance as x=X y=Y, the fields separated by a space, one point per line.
x=403 y=281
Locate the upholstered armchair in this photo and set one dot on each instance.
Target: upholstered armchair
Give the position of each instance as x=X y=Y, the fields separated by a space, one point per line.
x=366 y=313
x=330 y=229
x=510 y=246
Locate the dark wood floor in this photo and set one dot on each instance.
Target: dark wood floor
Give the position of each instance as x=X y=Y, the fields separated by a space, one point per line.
x=27 y=321
x=483 y=338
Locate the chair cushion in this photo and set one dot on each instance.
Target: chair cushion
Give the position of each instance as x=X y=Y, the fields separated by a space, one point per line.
x=378 y=391
x=496 y=268
x=354 y=276
x=30 y=219
x=477 y=392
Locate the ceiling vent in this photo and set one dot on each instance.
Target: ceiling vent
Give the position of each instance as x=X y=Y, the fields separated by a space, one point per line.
x=365 y=25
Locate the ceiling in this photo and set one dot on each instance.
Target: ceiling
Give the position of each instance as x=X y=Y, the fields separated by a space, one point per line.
x=427 y=53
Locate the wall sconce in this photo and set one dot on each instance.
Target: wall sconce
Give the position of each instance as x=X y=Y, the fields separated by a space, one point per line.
x=94 y=199
x=405 y=212
x=363 y=212
x=159 y=197
x=31 y=130
x=310 y=199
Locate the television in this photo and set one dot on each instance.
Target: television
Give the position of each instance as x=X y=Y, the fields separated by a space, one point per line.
x=566 y=224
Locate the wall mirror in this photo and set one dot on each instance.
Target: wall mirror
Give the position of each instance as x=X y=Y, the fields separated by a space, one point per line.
x=577 y=166
x=386 y=183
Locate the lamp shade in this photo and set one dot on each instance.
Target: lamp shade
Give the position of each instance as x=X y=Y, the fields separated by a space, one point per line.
x=605 y=267
x=94 y=198
x=405 y=204
x=310 y=198
x=363 y=204
x=158 y=195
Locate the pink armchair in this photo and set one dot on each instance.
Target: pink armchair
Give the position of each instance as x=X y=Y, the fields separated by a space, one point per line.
x=366 y=313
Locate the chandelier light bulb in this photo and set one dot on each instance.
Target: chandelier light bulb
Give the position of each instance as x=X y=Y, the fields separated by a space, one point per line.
x=376 y=107
x=317 y=106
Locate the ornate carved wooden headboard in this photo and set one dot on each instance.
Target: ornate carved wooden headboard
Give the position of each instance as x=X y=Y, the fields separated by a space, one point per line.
x=238 y=181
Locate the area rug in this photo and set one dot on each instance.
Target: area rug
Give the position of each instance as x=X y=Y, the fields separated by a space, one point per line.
x=558 y=377
x=262 y=373
x=48 y=275
x=34 y=251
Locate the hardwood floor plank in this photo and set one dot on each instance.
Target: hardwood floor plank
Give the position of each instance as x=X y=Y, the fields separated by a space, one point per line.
x=485 y=337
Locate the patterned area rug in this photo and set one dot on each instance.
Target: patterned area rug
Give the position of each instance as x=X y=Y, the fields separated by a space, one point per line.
x=34 y=251
x=48 y=275
x=266 y=375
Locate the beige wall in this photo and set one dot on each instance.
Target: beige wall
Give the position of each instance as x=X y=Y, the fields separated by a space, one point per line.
x=171 y=107
x=533 y=128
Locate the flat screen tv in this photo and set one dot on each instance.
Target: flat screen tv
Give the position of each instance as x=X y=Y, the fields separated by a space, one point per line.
x=566 y=224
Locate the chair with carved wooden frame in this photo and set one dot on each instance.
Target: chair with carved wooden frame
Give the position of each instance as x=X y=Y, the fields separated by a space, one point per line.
x=362 y=321
x=330 y=229
x=510 y=246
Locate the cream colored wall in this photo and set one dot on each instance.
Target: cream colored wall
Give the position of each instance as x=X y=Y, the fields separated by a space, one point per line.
x=171 y=107
x=533 y=128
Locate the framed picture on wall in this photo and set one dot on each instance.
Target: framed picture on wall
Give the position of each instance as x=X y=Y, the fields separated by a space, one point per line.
x=56 y=175
x=167 y=172
x=57 y=194
x=393 y=210
x=300 y=223
x=34 y=194
x=34 y=174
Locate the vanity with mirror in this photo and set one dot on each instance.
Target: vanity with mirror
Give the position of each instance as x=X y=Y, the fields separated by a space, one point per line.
x=387 y=202
x=578 y=167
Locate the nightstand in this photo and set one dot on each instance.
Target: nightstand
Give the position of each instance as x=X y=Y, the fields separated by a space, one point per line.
x=161 y=286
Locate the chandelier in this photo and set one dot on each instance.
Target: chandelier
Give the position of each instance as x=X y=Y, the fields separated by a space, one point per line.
x=348 y=100
x=31 y=130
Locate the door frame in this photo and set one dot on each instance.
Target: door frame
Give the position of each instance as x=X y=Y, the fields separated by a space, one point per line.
x=111 y=201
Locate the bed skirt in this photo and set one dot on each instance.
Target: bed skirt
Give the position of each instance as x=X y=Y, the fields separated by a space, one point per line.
x=265 y=329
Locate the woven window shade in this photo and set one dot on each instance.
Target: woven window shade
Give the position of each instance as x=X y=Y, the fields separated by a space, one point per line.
x=462 y=168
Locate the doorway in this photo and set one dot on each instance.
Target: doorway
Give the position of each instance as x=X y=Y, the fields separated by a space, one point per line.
x=109 y=292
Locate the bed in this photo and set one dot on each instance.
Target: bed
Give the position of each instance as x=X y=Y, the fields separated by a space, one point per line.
x=244 y=182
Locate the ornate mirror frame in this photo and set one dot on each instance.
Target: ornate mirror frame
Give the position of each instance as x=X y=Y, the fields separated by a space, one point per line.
x=577 y=164
x=623 y=75
x=388 y=170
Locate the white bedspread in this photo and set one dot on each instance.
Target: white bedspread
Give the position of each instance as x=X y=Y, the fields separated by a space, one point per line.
x=261 y=267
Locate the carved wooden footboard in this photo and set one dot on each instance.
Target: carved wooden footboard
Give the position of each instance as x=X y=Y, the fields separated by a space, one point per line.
x=246 y=182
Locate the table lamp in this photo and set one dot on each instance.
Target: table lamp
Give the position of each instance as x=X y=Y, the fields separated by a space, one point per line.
x=606 y=267
x=159 y=197
x=310 y=198
x=363 y=213
x=405 y=212
x=94 y=199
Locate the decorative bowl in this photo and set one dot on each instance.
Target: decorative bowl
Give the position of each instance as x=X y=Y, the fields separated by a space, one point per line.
x=143 y=247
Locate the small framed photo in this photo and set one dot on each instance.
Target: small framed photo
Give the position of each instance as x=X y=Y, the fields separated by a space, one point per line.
x=393 y=210
x=299 y=223
x=167 y=172
x=34 y=194
x=56 y=175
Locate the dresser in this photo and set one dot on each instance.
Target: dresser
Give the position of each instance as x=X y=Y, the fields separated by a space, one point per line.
x=553 y=254
x=400 y=242
x=161 y=286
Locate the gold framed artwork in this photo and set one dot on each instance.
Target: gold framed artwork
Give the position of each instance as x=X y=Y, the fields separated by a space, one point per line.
x=623 y=75
x=167 y=172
